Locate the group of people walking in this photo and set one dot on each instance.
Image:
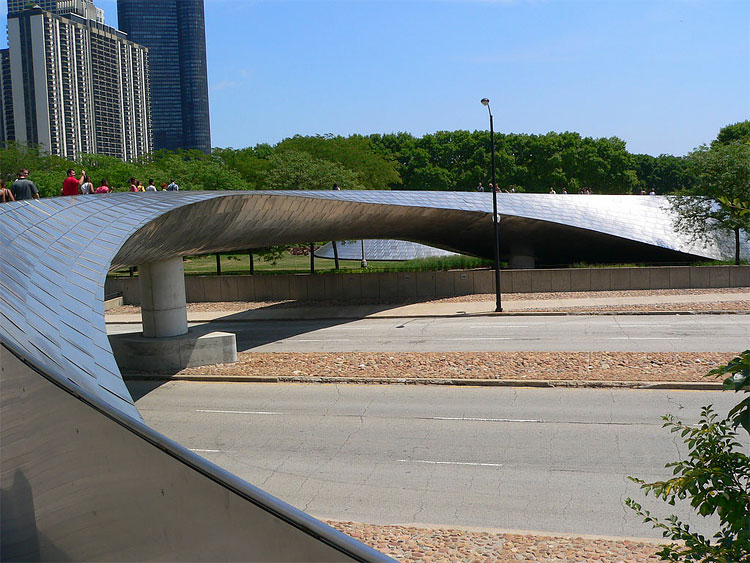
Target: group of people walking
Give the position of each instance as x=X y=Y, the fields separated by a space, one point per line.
x=75 y=186
x=491 y=188
x=581 y=191
x=23 y=188
x=137 y=186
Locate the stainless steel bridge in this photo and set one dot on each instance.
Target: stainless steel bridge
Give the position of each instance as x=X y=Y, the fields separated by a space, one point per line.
x=84 y=478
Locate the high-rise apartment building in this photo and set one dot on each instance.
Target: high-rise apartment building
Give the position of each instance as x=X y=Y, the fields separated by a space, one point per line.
x=83 y=8
x=175 y=33
x=7 y=124
x=77 y=85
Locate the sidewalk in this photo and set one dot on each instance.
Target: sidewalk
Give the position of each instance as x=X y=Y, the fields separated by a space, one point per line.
x=734 y=302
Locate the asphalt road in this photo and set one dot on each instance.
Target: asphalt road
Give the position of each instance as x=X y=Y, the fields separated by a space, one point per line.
x=526 y=459
x=607 y=333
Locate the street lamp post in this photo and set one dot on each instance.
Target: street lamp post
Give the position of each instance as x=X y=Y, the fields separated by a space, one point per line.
x=498 y=304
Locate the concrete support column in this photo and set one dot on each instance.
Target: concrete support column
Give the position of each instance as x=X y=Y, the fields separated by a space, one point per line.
x=163 y=305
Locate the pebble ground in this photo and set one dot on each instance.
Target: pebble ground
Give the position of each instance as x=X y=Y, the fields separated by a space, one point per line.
x=406 y=543
x=426 y=366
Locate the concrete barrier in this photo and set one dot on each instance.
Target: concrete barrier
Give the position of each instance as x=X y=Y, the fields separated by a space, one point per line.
x=423 y=285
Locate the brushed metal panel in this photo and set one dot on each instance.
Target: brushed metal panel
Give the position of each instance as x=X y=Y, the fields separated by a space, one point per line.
x=96 y=487
x=380 y=250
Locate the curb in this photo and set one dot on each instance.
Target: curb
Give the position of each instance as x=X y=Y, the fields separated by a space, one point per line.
x=537 y=383
x=449 y=315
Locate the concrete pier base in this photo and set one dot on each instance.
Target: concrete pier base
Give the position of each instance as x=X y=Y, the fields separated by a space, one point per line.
x=135 y=352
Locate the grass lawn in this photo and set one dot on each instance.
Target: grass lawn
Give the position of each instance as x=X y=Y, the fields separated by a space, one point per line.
x=239 y=264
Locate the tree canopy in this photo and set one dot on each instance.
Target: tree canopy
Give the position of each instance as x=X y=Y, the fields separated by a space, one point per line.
x=444 y=160
x=193 y=170
x=735 y=132
x=720 y=197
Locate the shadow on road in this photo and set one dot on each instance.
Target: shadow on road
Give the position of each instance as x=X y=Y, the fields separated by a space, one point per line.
x=251 y=333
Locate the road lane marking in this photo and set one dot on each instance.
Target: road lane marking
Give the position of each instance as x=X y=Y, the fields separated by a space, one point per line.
x=205 y=451
x=472 y=419
x=315 y=340
x=238 y=412
x=430 y=462
x=478 y=338
x=644 y=338
x=498 y=326
x=536 y=421
x=644 y=325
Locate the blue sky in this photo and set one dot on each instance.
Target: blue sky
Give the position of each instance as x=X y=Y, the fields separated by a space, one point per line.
x=664 y=76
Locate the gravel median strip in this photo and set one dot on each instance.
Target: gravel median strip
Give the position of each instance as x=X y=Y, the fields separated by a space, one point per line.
x=739 y=307
x=408 y=543
x=651 y=367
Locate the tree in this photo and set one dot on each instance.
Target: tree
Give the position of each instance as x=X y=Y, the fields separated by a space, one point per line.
x=295 y=170
x=715 y=476
x=665 y=173
x=735 y=132
x=720 y=195
x=374 y=170
x=251 y=163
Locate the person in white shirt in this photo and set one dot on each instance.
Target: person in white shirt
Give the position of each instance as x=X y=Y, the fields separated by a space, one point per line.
x=150 y=187
x=87 y=187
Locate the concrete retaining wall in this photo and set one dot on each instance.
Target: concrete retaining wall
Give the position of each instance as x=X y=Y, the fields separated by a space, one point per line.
x=415 y=285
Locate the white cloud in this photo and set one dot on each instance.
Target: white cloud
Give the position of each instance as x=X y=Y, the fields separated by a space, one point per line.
x=223 y=85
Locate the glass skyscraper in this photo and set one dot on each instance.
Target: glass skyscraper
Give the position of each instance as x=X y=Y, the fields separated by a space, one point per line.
x=175 y=33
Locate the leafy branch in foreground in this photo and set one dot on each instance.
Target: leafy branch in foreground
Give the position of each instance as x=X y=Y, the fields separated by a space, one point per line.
x=739 y=380
x=715 y=477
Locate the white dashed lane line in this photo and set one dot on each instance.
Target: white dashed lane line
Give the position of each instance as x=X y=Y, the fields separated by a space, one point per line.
x=470 y=419
x=644 y=338
x=240 y=412
x=431 y=462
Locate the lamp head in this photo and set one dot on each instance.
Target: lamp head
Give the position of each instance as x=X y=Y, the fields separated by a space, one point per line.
x=485 y=102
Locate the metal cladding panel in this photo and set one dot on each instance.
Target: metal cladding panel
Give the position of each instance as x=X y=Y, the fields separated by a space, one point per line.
x=57 y=251
x=82 y=482
x=385 y=250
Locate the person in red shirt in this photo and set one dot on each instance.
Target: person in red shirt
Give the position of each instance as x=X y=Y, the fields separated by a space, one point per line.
x=71 y=186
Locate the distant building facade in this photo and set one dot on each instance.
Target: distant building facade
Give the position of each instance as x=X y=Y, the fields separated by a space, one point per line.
x=76 y=84
x=175 y=33
x=7 y=127
x=83 y=8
